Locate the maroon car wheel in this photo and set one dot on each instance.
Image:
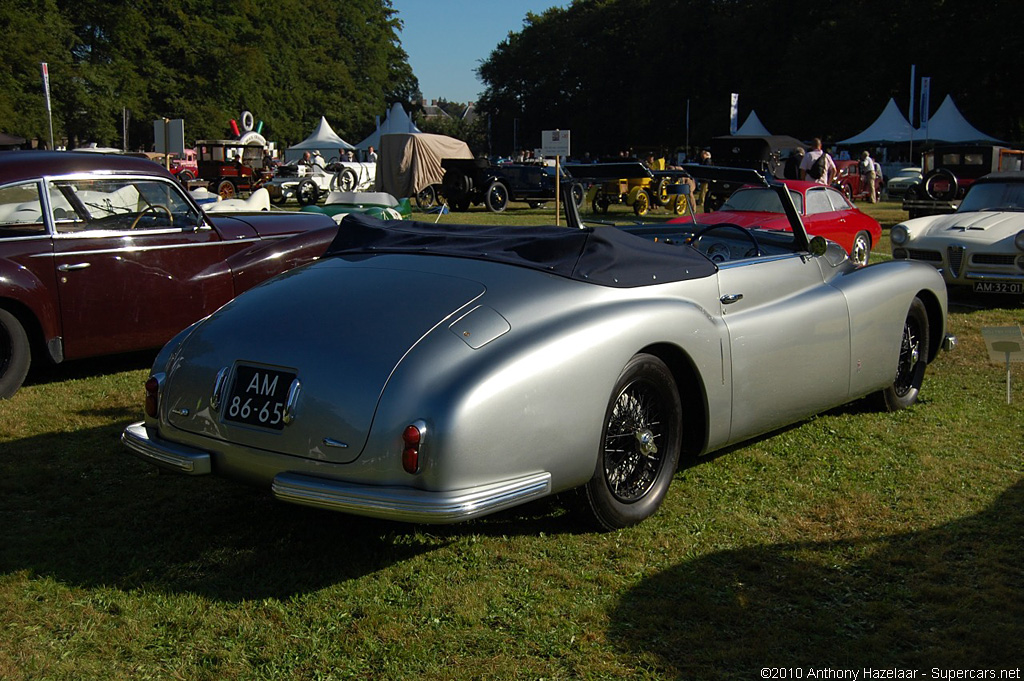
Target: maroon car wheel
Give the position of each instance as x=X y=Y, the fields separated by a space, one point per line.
x=15 y=354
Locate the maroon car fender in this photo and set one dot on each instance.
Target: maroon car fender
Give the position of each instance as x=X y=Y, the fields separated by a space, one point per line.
x=269 y=258
x=267 y=224
x=31 y=300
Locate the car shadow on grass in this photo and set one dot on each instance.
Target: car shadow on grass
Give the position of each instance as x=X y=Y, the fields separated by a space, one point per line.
x=79 y=508
x=44 y=372
x=950 y=597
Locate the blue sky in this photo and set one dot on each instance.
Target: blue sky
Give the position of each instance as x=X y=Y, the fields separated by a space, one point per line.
x=447 y=39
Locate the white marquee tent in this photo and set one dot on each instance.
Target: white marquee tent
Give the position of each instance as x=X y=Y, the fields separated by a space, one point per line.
x=323 y=139
x=949 y=125
x=396 y=122
x=753 y=126
x=890 y=126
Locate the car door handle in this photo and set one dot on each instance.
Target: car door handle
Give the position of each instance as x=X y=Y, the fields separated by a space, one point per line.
x=731 y=298
x=70 y=268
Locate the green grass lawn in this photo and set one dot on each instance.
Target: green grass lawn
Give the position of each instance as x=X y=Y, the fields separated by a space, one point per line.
x=854 y=539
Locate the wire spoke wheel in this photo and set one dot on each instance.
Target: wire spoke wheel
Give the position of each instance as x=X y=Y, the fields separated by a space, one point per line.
x=911 y=362
x=631 y=455
x=639 y=447
x=910 y=355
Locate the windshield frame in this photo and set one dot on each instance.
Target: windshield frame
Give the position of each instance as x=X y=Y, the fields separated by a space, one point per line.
x=998 y=196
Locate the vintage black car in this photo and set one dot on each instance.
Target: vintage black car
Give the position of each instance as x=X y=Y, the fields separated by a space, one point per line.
x=477 y=181
x=950 y=170
x=765 y=154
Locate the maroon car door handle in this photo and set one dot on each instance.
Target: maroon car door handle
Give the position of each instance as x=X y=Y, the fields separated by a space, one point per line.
x=71 y=268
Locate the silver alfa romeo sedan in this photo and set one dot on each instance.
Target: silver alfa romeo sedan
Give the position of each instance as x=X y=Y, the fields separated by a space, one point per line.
x=435 y=373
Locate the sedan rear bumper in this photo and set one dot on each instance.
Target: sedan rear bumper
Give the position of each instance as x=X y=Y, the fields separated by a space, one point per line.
x=408 y=504
x=164 y=454
x=405 y=504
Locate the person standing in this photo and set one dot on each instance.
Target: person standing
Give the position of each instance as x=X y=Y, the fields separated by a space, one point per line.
x=702 y=190
x=818 y=165
x=371 y=155
x=868 y=175
x=791 y=171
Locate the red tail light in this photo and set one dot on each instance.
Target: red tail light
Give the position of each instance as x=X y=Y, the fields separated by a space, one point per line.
x=412 y=438
x=153 y=396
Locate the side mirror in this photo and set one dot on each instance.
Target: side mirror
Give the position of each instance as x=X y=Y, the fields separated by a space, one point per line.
x=818 y=246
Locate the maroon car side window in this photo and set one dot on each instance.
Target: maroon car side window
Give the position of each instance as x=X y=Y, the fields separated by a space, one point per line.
x=21 y=212
x=118 y=204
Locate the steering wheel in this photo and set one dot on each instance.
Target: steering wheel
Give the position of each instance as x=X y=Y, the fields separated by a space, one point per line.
x=151 y=208
x=720 y=252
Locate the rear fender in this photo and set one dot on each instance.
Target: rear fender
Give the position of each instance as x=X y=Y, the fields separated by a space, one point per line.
x=878 y=297
x=29 y=298
x=270 y=258
x=556 y=376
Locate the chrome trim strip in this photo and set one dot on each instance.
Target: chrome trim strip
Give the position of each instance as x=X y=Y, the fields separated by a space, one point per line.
x=136 y=249
x=993 y=276
x=218 y=388
x=291 y=401
x=164 y=454
x=408 y=504
x=743 y=262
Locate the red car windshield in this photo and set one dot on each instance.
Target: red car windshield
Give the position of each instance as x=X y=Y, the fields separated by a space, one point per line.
x=761 y=201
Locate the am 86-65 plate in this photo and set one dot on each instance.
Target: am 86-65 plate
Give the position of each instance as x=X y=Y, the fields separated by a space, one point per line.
x=998 y=287
x=259 y=397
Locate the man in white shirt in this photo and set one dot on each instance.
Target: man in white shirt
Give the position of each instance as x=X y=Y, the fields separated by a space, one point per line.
x=817 y=165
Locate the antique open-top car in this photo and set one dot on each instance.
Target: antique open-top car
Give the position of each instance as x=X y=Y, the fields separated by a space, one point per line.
x=101 y=254
x=632 y=183
x=439 y=373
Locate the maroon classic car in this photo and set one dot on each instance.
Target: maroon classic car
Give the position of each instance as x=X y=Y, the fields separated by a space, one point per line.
x=823 y=210
x=104 y=254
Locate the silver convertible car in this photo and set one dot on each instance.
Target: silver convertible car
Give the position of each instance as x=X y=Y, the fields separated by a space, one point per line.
x=433 y=374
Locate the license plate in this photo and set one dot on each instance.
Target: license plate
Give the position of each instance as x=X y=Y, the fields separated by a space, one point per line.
x=259 y=397
x=998 y=287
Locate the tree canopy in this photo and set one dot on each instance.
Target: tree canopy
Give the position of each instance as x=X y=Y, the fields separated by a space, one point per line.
x=623 y=73
x=288 y=62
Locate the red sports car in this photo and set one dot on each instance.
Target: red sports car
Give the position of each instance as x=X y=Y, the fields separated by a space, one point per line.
x=101 y=254
x=823 y=210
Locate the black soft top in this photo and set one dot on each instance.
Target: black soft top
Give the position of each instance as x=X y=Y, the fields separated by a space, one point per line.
x=601 y=255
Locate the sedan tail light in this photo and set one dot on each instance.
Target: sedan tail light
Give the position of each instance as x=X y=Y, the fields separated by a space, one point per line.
x=153 y=385
x=412 y=440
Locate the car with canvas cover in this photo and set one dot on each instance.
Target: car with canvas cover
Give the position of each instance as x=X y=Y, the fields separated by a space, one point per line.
x=437 y=373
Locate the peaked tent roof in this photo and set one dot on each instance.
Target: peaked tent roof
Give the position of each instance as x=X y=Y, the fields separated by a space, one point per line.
x=753 y=126
x=323 y=138
x=949 y=125
x=890 y=126
x=396 y=122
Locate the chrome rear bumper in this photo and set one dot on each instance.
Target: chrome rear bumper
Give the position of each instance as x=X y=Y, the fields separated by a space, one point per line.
x=406 y=504
x=164 y=454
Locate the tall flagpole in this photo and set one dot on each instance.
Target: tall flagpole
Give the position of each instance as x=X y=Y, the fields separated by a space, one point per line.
x=913 y=68
x=46 y=90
